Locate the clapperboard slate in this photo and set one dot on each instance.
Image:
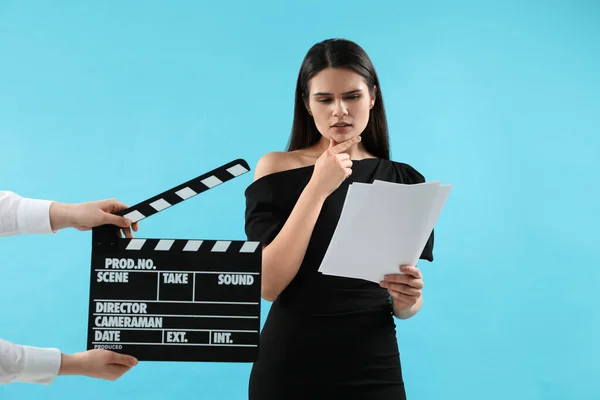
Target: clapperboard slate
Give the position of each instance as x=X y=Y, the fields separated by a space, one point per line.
x=173 y=299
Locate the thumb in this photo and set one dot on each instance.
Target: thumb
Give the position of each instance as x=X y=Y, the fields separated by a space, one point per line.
x=121 y=222
x=123 y=359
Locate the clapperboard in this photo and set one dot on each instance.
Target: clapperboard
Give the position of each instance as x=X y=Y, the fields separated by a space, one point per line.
x=173 y=299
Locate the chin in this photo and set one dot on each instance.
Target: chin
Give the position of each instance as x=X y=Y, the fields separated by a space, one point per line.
x=342 y=136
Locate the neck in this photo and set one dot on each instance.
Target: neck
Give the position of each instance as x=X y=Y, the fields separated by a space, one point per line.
x=356 y=152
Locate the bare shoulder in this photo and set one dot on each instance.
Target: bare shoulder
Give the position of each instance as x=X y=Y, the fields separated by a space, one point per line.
x=277 y=161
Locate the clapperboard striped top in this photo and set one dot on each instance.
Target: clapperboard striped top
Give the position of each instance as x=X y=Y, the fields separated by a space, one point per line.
x=186 y=190
x=221 y=246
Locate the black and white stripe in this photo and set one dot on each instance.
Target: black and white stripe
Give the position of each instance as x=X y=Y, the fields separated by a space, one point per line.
x=180 y=245
x=186 y=190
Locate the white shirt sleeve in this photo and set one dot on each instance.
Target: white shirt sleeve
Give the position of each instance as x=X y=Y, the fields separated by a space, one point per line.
x=28 y=364
x=19 y=215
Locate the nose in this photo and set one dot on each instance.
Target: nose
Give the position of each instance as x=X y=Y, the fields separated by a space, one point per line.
x=339 y=109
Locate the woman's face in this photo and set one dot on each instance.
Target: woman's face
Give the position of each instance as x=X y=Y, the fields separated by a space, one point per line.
x=340 y=102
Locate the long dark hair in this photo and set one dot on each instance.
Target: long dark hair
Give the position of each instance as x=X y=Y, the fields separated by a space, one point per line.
x=339 y=53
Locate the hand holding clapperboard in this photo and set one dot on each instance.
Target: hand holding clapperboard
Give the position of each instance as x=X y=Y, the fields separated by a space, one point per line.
x=176 y=299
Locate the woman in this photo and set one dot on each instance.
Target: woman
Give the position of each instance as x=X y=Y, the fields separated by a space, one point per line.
x=327 y=337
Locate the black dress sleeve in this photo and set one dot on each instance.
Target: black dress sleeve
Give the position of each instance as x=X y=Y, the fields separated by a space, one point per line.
x=264 y=216
x=412 y=176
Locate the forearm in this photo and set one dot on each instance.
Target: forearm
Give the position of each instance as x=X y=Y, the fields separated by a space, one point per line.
x=61 y=216
x=72 y=364
x=404 y=312
x=283 y=256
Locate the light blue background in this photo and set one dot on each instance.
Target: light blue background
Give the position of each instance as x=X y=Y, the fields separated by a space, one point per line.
x=126 y=99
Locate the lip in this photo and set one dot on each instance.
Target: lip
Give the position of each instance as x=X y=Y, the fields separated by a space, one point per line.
x=342 y=129
x=341 y=125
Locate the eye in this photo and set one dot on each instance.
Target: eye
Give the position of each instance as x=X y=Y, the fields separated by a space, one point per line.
x=324 y=100
x=354 y=97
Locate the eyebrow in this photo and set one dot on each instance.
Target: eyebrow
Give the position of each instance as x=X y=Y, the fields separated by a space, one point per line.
x=344 y=94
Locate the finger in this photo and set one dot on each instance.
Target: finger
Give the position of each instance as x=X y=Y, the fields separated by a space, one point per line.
x=114 y=205
x=408 y=280
x=401 y=297
x=340 y=148
x=348 y=171
x=127 y=232
x=122 y=359
x=347 y=163
x=111 y=205
x=396 y=278
x=121 y=222
x=332 y=143
x=411 y=270
x=343 y=156
x=404 y=289
x=135 y=227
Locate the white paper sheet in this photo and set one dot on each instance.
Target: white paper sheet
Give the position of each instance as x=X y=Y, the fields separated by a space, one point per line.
x=383 y=225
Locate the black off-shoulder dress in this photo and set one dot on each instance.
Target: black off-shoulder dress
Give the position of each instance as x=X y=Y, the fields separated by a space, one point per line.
x=325 y=337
